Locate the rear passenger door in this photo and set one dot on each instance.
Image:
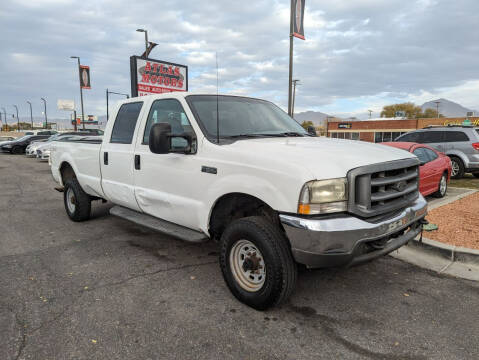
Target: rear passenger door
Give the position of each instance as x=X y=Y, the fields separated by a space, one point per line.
x=457 y=142
x=117 y=158
x=433 y=138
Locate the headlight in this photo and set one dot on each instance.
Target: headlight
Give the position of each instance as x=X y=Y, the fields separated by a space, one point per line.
x=323 y=196
x=7 y=146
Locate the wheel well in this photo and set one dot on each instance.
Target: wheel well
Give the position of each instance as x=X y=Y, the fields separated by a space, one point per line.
x=67 y=172
x=235 y=206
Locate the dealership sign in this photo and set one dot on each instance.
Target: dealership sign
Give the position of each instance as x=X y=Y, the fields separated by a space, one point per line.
x=150 y=76
x=67 y=105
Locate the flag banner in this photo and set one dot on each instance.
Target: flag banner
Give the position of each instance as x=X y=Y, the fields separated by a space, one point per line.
x=85 y=77
x=149 y=76
x=298 y=19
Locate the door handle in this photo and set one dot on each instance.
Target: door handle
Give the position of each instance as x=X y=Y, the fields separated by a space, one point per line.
x=105 y=158
x=137 y=162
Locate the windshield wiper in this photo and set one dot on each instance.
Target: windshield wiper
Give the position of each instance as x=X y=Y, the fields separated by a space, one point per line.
x=283 y=134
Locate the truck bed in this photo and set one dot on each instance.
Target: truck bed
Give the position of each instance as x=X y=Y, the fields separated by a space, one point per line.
x=84 y=154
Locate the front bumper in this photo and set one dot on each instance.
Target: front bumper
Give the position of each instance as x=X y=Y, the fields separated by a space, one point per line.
x=346 y=240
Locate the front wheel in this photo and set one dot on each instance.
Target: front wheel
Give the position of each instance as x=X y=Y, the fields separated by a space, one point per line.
x=442 y=188
x=257 y=263
x=77 y=202
x=17 y=150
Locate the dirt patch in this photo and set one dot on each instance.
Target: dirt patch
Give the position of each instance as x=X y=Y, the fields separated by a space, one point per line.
x=458 y=222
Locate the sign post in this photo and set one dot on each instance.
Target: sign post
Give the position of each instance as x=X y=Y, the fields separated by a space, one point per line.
x=149 y=76
x=296 y=29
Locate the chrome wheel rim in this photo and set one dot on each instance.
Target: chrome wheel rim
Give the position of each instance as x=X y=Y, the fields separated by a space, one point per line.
x=443 y=185
x=455 y=168
x=70 y=195
x=247 y=265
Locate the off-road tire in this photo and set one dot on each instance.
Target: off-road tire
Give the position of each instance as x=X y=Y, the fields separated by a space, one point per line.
x=281 y=269
x=441 y=193
x=82 y=201
x=461 y=169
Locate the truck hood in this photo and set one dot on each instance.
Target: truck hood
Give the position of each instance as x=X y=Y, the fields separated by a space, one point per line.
x=323 y=157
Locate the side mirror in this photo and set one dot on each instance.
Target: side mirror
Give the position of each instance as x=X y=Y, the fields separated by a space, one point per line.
x=160 y=140
x=311 y=130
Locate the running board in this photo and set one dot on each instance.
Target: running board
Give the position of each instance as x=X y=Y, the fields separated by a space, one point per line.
x=159 y=225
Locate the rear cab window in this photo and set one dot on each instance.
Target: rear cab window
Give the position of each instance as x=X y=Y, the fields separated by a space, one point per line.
x=125 y=123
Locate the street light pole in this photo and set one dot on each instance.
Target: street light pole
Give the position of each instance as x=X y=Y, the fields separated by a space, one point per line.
x=290 y=82
x=45 y=112
x=81 y=91
x=370 y=112
x=437 y=108
x=31 y=115
x=295 y=82
x=146 y=40
x=18 y=120
x=5 y=115
x=107 y=95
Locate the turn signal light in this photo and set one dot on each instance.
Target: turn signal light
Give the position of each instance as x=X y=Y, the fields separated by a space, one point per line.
x=475 y=146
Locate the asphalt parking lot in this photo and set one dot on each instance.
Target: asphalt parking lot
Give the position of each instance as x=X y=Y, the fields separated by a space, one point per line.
x=107 y=289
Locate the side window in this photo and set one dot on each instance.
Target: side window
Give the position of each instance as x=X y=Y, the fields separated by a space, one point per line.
x=125 y=123
x=421 y=155
x=430 y=154
x=429 y=137
x=169 y=111
x=455 y=136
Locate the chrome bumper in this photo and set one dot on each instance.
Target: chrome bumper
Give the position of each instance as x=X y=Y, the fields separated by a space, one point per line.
x=348 y=240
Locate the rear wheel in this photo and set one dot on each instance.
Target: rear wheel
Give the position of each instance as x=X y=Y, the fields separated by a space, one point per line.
x=476 y=175
x=257 y=263
x=442 y=188
x=77 y=202
x=457 y=168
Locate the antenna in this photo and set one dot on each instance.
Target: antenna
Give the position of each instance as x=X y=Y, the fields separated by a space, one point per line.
x=217 y=103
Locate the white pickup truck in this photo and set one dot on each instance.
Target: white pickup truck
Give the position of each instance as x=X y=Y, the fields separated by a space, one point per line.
x=241 y=171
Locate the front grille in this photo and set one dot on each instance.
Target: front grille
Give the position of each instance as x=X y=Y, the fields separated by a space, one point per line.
x=383 y=188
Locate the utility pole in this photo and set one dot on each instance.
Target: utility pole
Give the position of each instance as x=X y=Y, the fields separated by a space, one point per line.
x=437 y=108
x=81 y=91
x=290 y=82
x=5 y=116
x=31 y=116
x=370 y=112
x=18 y=120
x=107 y=96
x=146 y=40
x=295 y=82
x=45 y=112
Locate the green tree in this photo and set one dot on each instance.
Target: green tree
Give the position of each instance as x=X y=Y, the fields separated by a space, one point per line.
x=431 y=113
x=412 y=111
x=305 y=124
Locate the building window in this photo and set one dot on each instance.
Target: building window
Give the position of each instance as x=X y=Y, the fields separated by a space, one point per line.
x=334 y=135
x=355 y=136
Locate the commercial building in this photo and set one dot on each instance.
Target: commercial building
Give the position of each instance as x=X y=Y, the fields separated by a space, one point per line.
x=381 y=130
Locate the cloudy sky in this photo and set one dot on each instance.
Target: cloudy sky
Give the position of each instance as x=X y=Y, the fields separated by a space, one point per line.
x=357 y=55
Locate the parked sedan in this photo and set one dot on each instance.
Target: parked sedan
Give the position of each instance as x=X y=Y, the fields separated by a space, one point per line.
x=18 y=146
x=435 y=169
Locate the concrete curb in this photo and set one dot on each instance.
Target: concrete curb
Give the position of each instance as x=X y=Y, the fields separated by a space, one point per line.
x=448 y=252
x=448 y=200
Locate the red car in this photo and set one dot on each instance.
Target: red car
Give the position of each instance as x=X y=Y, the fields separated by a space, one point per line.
x=435 y=170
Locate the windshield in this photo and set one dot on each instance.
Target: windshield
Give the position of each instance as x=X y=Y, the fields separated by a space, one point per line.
x=242 y=117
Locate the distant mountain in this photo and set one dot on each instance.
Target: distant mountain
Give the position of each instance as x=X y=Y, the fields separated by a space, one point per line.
x=316 y=117
x=447 y=108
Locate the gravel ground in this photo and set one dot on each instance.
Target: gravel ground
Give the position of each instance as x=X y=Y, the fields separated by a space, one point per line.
x=107 y=289
x=458 y=222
